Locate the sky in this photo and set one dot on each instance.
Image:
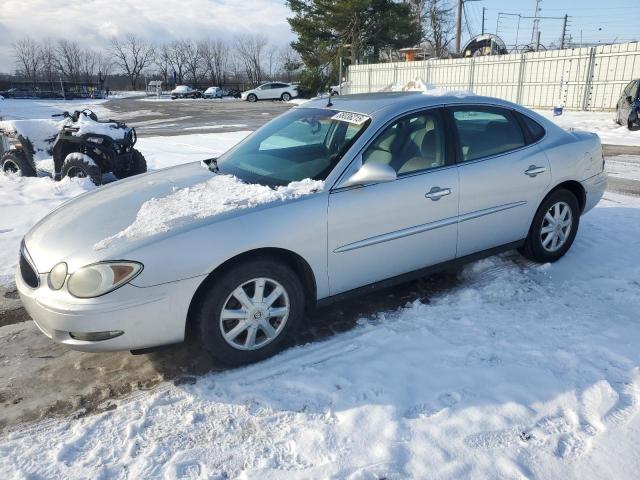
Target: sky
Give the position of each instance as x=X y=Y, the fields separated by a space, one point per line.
x=94 y=22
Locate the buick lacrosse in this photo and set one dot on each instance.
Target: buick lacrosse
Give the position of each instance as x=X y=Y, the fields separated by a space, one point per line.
x=332 y=198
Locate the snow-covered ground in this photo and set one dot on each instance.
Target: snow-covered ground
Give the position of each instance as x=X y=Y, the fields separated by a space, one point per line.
x=521 y=371
x=602 y=123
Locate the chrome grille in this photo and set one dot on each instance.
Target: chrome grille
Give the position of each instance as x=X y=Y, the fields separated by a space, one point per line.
x=29 y=274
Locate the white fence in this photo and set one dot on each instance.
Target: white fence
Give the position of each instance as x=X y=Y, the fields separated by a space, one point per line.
x=577 y=79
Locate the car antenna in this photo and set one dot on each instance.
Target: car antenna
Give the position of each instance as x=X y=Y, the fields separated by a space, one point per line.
x=329 y=104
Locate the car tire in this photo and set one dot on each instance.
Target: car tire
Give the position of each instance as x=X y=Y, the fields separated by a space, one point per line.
x=252 y=98
x=553 y=231
x=617 y=119
x=138 y=165
x=80 y=165
x=285 y=97
x=216 y=334
x=16 y=162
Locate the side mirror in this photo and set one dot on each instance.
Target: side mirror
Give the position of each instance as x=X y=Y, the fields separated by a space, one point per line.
x=371 y=173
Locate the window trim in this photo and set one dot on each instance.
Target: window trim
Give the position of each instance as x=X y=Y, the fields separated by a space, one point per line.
x=450 y=108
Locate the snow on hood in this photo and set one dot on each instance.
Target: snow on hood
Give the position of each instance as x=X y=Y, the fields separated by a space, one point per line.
x=418 y=85
x=220 y=194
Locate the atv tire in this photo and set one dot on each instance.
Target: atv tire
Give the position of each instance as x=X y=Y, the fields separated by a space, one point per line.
x=16 y=162
x=138 y=165
x=80 y=165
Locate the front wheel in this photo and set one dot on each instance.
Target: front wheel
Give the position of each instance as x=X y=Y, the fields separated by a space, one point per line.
x=554 y=228
x=286 y=97
x=248 y=313
x=16 y=162
x=137 y=166
x=80 y=165
x=252 y=98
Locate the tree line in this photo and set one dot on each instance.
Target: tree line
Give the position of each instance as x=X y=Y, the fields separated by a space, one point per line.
x=247 y=58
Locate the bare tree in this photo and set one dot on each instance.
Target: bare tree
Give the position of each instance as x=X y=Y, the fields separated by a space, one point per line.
x=438 y=23
x=48 y=62
x=69 y=58
x=290 y=61
x=28 y=59
x=272 y=61
x=215 y=59
x=250 y=50
x=132 y=56
x=176 y=55
x=192 y=60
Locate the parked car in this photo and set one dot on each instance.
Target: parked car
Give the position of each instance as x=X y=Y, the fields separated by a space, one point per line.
x=184 y=91
x=628 y=106
x=233 y=92
x=212 y=92
x=271 y=91
x=325 y=201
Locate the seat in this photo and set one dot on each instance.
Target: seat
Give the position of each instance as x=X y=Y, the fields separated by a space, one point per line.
x=430 y=155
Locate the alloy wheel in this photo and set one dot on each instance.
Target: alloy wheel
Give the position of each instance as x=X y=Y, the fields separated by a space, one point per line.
x=556 y=226
x=254 y=314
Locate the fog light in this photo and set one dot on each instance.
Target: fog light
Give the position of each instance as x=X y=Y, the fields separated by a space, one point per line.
x=95 y=336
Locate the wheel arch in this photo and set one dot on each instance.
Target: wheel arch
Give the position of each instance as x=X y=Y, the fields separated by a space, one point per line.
x=293 y=260
x=574 y=187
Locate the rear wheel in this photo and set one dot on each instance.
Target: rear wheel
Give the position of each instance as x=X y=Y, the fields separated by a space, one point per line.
x=16 y=162
x=249 y=312
x=554 y=228
x=80 y=165
x=138 y=165
x=252 y=98
x=286 y=97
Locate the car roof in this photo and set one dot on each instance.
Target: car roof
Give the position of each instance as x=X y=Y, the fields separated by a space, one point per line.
x=370 y=103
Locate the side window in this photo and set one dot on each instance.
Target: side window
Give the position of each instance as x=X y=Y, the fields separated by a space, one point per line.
x=486 y=131
x=536 y=131
x=413 y=143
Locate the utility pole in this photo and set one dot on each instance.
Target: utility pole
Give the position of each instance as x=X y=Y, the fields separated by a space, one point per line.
x=459 y=26
x=536 y=22
x=564 y=32
x=483 y=10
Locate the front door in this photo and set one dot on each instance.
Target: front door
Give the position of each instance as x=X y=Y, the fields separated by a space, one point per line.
x=502 y=178
x=382 y=230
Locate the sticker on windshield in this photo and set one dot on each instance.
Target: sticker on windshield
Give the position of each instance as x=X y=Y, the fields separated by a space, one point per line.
x=355 y=118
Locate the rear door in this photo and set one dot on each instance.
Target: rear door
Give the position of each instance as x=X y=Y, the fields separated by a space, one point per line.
x=503 y=176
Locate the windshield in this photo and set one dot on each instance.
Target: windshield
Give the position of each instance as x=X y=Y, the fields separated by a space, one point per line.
x=302 y=143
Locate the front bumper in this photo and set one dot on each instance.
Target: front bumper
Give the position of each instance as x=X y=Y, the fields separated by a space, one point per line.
x=149 y=316
x=594 y=188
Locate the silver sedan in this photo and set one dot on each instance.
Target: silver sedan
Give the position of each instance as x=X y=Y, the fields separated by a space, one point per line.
x=330 y=199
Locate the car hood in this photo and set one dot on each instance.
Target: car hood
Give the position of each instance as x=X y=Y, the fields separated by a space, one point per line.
x=73 y=228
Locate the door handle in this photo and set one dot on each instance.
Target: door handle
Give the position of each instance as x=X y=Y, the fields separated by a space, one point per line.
x=436 y=193
x=532 y=171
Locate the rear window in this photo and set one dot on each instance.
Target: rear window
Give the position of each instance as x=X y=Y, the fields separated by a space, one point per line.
x=536 y=131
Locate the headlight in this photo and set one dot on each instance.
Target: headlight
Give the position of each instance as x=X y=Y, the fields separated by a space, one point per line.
x=57 y=276
x=100 y=278
x=95 y=139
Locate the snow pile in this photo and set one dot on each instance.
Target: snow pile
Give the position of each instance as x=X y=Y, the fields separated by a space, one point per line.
x=418 y=85
x=86 y=125
x=220 y=194
x=24 y=201
x=41 y=133
x=515 y=371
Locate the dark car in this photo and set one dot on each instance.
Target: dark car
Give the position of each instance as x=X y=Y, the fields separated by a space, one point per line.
x=629 y=105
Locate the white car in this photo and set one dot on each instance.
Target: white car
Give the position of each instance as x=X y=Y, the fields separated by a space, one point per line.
x=212 y=92
x=271 y=91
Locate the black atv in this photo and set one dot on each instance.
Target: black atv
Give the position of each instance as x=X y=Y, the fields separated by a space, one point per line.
x=81 y=146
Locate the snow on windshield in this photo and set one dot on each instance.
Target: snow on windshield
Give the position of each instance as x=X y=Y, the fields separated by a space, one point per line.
x=220 y=194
